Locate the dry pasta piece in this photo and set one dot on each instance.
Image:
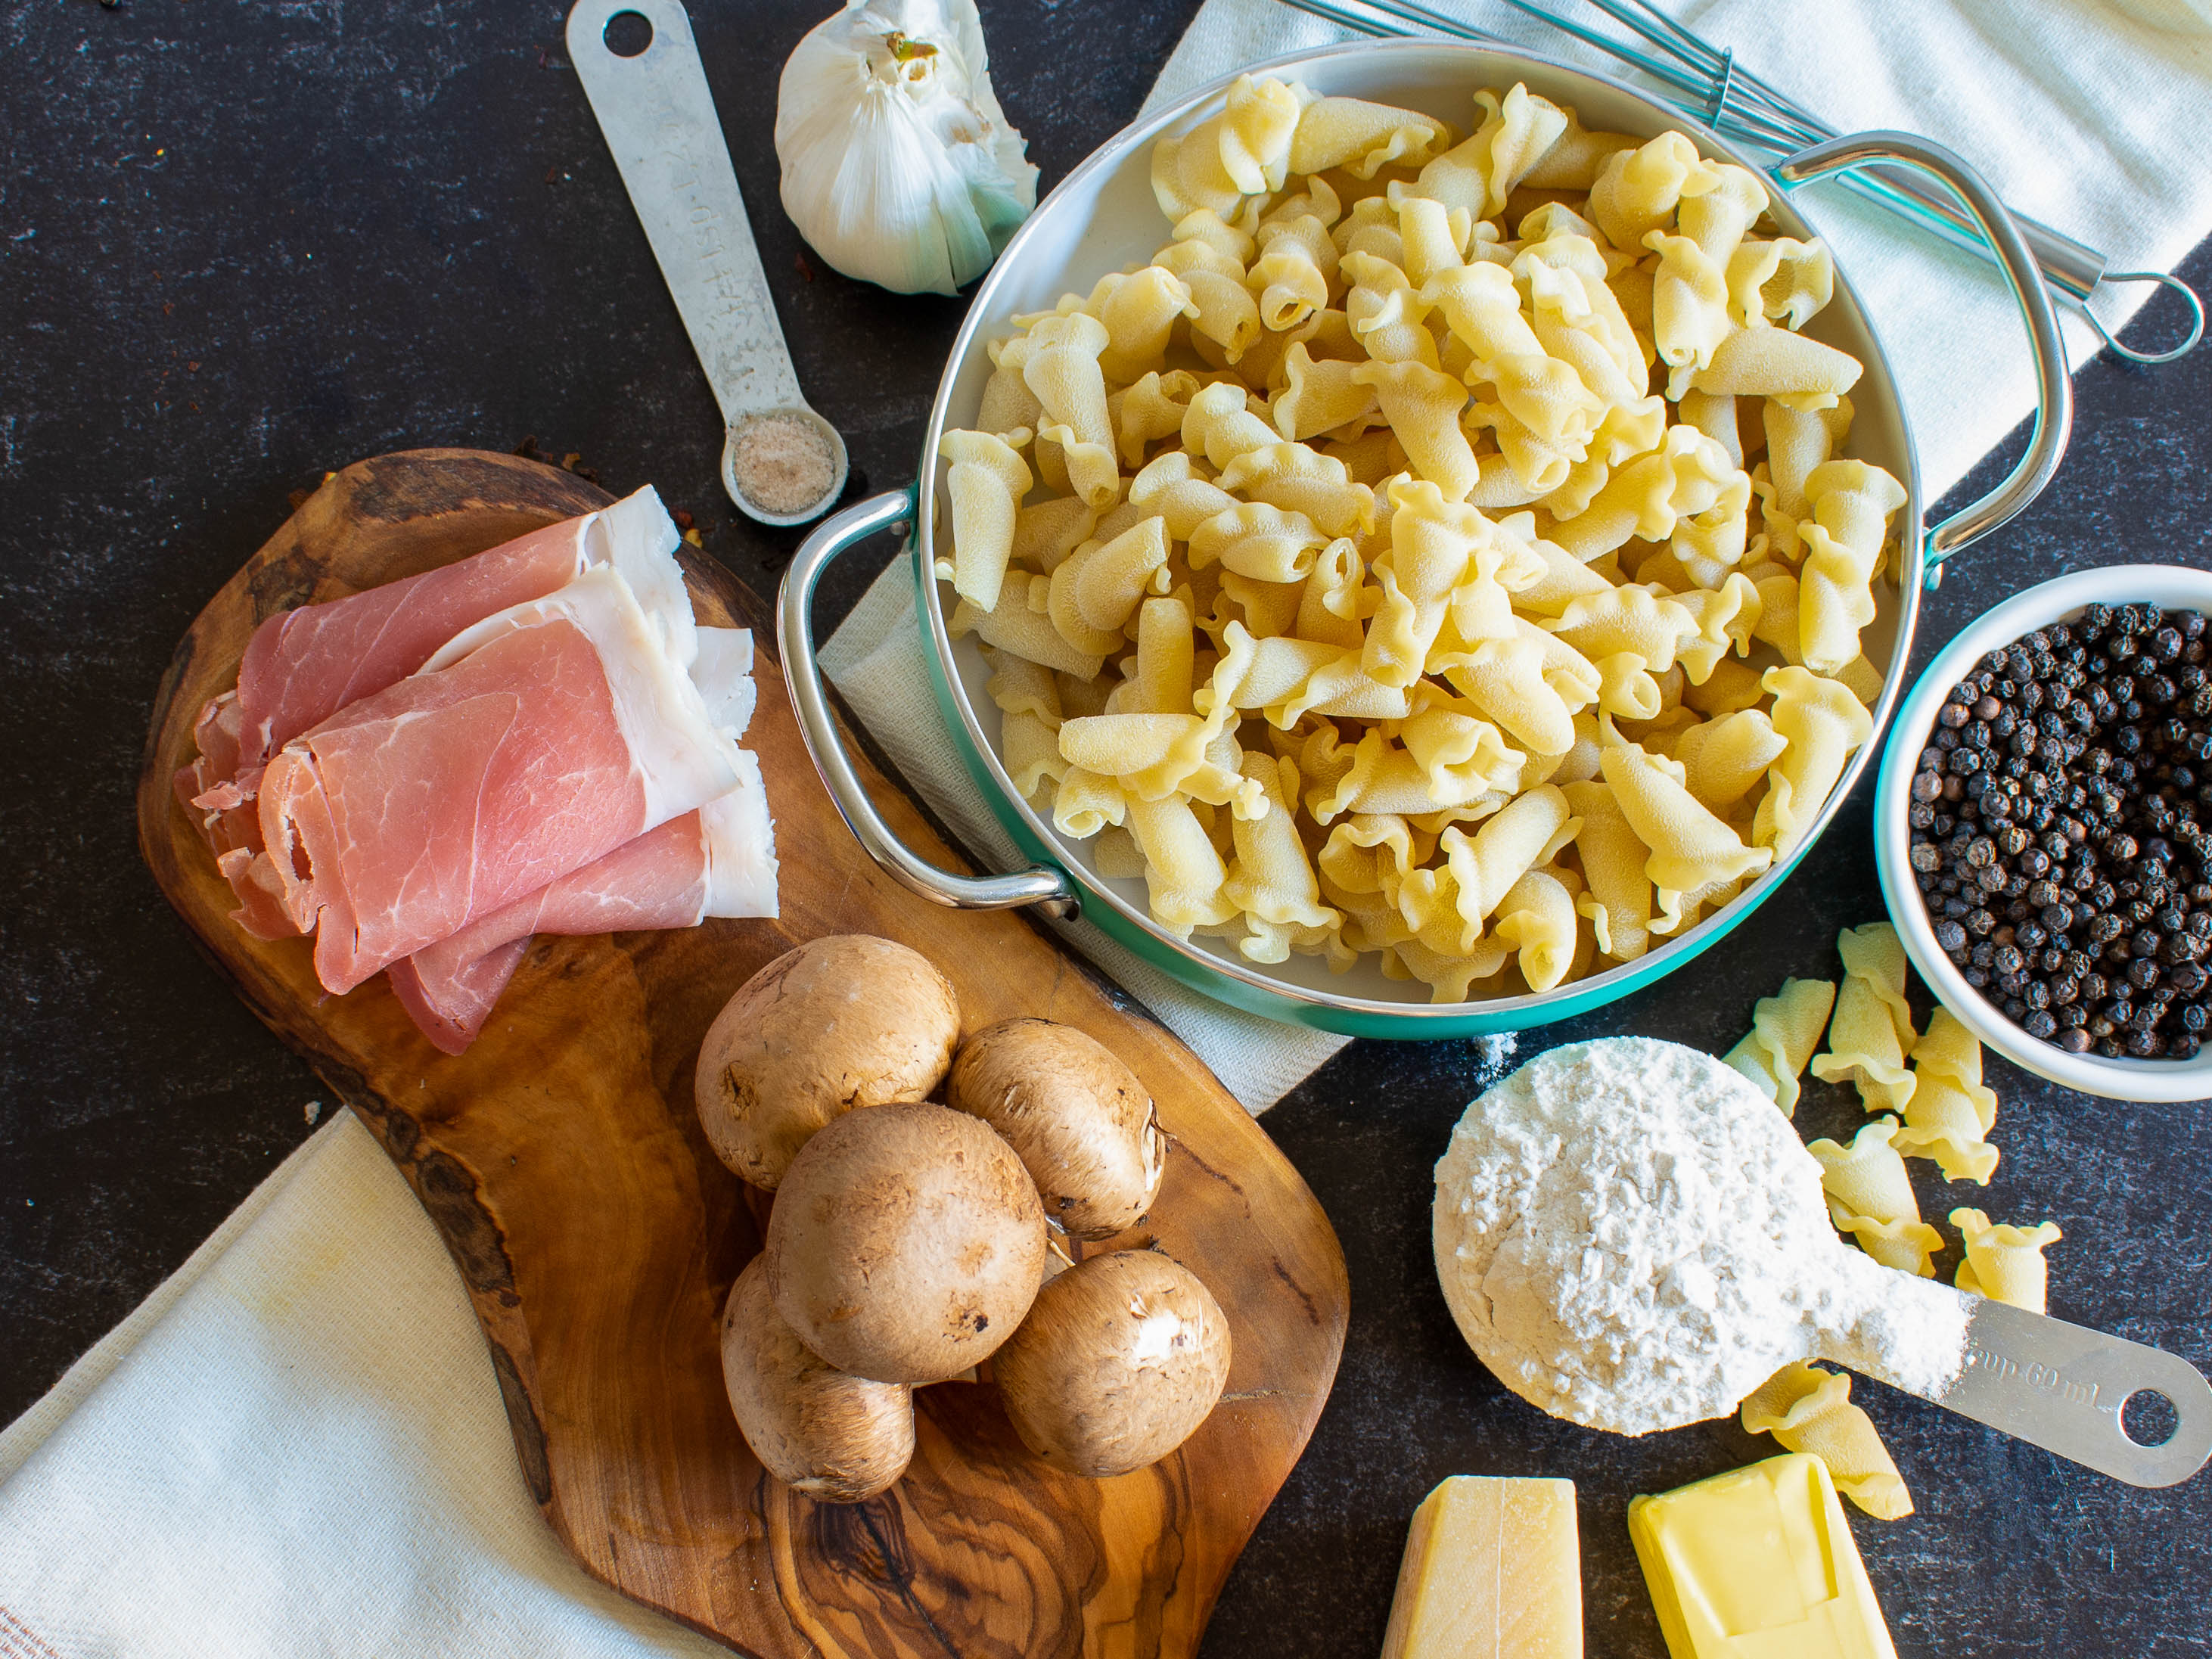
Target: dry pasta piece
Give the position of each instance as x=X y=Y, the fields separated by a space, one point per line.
x=1253 y=539
x=1318 y=396
x=1692 y=852
x=1950 y=1114
x=1184 y=875
x=1785 y=1029
x=1773 y=362
x=1618 y=899
x=1150 y=410
x=1531 y=683
x=1244 y=151
x=1008 y=406
x=1872 y=1032
x=1809 y=1410
x=1797 y=441
x=1434 y=545
x=1384 y=312
x=1059 y=361
x=1361 y=137
x=1219 y=425
x=2005 y=1262
x=1823 y=723
x=1171 y=486
x=984 y=482
x=1209 y=255
x=1851 y=504
x=1271 y=880
x=1870 y=1197
x=1302 y=480
x=1019 y=624
x=1422 y=406
x=1140 y=309
x=1295 y=269
x=1636 y=190
x=1784 y=281
x=1722 y=759
x=1095 y=592
x=1573 y=161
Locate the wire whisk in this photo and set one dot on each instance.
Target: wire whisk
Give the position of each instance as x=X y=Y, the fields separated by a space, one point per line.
x=1707 y=83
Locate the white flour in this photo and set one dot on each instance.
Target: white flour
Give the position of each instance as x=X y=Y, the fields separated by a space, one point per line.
x=1632 y=1237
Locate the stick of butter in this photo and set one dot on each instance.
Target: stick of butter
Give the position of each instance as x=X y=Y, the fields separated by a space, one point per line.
x=1758 y=1563
x=1493 y=1571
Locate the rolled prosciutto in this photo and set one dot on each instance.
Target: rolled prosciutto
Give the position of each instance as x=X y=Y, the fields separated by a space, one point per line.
x=527 y=747
x=302 y=667
x=717 y=861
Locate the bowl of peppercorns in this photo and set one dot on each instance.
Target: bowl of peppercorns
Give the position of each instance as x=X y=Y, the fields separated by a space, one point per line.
x=2045 y=830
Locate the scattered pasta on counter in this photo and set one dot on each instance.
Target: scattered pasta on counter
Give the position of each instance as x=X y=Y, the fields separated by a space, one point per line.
x=1870 y=1197
x=1785 y=1029
x=1346 y=574
x=2005 y=1262
x=1871 y=1035
x=1809 y=1410
x=1950 y=1113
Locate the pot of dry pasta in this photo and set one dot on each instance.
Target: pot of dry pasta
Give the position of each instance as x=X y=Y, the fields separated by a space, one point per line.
x=1415 y=540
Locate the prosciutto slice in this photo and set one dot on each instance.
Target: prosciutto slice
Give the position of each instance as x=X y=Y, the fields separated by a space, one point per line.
x=525 y=748
x=717 y=861
x=302 y=667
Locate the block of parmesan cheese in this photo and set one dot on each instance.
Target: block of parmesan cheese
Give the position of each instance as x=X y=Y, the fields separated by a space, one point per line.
x=1493 y=1571
x=1758 y=1563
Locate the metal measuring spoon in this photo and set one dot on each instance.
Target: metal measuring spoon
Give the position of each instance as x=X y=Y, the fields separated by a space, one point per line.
x=659 y=120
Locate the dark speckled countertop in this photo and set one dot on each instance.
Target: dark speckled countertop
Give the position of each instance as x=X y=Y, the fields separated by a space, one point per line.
x=240 y=245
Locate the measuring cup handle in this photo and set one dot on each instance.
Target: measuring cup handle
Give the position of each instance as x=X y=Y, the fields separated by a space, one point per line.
x=2063 y=1387
x=2054 y=386
x=1040 y=884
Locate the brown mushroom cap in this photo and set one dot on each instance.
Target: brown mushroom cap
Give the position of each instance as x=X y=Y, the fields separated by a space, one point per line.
x=906 y=1243
x=1082 y=1125
x=845 y=1021
x=1120 y=1360
x=834 y=1436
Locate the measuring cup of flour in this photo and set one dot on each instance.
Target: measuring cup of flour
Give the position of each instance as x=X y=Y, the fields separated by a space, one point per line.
x=1632 y=1237
x=782 y=463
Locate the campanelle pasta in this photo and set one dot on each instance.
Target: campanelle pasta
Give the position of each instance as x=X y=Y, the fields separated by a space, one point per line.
x=1443 y=549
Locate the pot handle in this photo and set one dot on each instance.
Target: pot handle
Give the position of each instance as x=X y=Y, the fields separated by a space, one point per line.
x=1040 y=884
x=2054 y=386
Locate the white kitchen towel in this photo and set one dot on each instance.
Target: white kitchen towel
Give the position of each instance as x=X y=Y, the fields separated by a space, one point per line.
x=296 y=1449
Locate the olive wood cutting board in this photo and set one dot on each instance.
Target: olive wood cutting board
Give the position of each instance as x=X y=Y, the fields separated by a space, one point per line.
x=564 y=1163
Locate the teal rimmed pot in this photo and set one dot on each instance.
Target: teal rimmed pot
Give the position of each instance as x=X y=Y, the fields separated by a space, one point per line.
x=1102 y=217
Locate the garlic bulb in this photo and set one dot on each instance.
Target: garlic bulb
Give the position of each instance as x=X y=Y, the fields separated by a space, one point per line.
x=898 y=165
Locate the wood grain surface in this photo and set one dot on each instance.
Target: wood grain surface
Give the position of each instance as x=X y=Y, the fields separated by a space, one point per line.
x=564 y=1163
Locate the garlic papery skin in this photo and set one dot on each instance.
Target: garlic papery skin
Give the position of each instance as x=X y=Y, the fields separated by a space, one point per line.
x=899 y=168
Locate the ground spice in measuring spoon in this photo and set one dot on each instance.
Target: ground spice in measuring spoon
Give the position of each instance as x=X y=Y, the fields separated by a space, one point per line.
x=1632 y=1237
x=782 y=463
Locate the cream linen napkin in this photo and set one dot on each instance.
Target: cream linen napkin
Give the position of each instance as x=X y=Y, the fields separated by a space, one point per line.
x=296 y=1447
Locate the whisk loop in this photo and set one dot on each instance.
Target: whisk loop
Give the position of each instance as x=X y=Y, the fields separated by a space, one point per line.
x=1706 y=82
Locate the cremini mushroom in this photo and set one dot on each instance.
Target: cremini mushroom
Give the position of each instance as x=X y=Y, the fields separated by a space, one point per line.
x=822 y=1431
x=844 y=1021
x=1122 y=1357
x=906 y=1243
x=1082 y=1125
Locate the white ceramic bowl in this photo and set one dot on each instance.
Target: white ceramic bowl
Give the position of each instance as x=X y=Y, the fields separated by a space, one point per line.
x=2167 y=586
